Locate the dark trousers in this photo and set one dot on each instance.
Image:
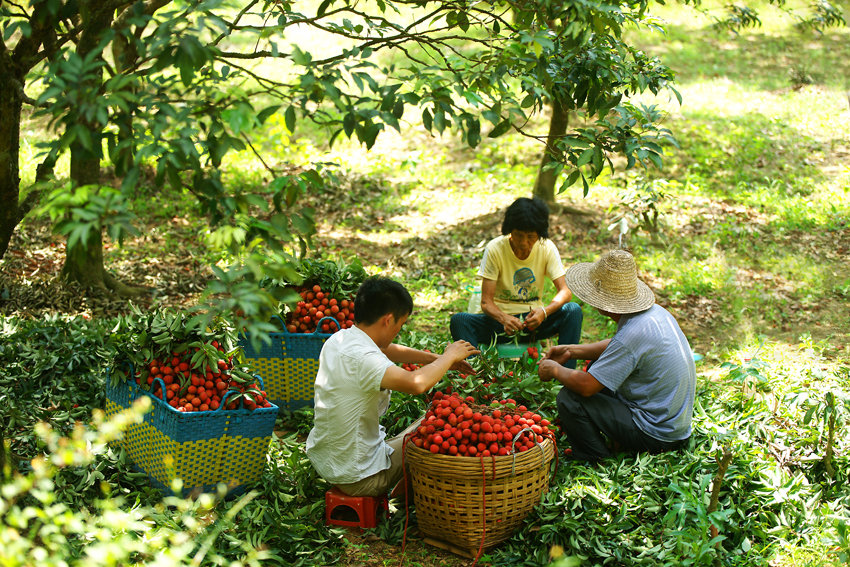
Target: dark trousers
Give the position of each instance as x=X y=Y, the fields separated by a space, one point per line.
x=481 y=329
x=588 y=421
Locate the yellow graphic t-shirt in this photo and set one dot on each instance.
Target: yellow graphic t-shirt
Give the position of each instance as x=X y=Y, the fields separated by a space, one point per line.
x=519 y=283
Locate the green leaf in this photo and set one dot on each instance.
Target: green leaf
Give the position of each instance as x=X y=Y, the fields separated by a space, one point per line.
x=187 y=72
x=348 y=123
x=570 y=181
x=500 y=129
x=655 y=159
x=289 y=119
x=439 y=120
x=585 y=157
x=301 y=57
x=267 y=112
x=571 y=142
x=10 y=30
x=398 y=108
x=473 y=136
x=427 y=119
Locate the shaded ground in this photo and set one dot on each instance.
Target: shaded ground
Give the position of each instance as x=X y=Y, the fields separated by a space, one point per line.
x=368 y=550
x=437 y=250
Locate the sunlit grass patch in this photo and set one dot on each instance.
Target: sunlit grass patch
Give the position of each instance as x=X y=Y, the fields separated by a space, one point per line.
x=682 y=277
x=772 y=56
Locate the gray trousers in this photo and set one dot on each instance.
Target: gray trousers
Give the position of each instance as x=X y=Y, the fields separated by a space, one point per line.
x=383 y=481
x=588 y=421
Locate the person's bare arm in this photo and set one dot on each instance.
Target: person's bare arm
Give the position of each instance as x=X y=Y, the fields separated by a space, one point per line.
x=578 y=381
x=510 y=323
x=423 y=379
x=588 y=351
x=402 y=354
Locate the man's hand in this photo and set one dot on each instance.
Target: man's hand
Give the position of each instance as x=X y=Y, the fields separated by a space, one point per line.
x=463 y=367
x=535 y=318
x=548 y=369
x=459 y=350
x=559 y=354
x=512 y=324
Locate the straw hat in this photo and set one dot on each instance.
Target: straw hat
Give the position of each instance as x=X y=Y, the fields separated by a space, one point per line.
x=610 y=284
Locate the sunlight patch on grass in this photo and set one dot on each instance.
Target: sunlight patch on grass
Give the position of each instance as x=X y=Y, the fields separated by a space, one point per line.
x=680 y=277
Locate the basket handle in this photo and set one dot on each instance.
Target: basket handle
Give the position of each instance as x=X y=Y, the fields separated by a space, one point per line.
x=319 y=324
x=242 y=400
x=513 y=452
x=260 y=380
x=223 y=399
x=161 y=389
x=282 y=324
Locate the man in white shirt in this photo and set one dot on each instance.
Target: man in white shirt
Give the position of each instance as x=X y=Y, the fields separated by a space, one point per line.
x=357 y=372
x=639 y=389
x=513 y=270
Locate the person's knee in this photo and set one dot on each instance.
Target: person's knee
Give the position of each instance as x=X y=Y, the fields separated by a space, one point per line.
x=572 y=312
x=456 y=325
x=569 y=402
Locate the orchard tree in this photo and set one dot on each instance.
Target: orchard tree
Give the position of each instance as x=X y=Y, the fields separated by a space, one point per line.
x=174 y=86
x=603 y=63
x=120 y=84
x=149 y=84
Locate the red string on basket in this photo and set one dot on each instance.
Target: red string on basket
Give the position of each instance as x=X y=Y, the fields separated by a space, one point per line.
x=483 y=507
x=405 y=440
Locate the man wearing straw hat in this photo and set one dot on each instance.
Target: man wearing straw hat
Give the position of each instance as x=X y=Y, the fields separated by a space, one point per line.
x=639 y=388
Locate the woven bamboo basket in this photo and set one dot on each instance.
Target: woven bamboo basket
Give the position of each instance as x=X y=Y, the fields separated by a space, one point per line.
x=461 y=501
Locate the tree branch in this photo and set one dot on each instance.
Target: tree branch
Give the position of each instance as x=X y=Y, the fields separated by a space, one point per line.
x=21 y=14
x=259 y=157
x=150 y=6
x=723 y=462
x=31 y=200
x=236 y=21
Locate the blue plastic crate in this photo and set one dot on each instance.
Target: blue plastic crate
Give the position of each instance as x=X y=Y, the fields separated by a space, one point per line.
x=202 y=448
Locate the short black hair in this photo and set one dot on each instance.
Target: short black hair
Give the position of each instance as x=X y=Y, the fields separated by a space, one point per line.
x=378 y=296
x=528 y=215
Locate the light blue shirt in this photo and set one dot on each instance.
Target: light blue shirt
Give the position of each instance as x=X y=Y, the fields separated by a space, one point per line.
x=650 y=367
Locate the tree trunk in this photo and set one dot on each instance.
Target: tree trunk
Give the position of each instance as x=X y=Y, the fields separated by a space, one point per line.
x=15 y=66
x=124 y=54
x=10 y=138
x=544 y=186
x=84 y=262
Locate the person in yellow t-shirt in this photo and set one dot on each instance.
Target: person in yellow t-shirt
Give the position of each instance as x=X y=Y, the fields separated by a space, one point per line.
x=512 y=272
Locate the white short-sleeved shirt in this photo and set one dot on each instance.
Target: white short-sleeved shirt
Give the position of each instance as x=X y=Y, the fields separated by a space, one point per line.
x=519 y=283
x=346 y=443
x=650 y=367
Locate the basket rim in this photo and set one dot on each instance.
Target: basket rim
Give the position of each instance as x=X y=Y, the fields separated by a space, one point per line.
x=495 y=466
x=195 y=414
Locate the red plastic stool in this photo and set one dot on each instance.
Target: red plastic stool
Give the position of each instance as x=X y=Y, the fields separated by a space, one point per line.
x=367 y=508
